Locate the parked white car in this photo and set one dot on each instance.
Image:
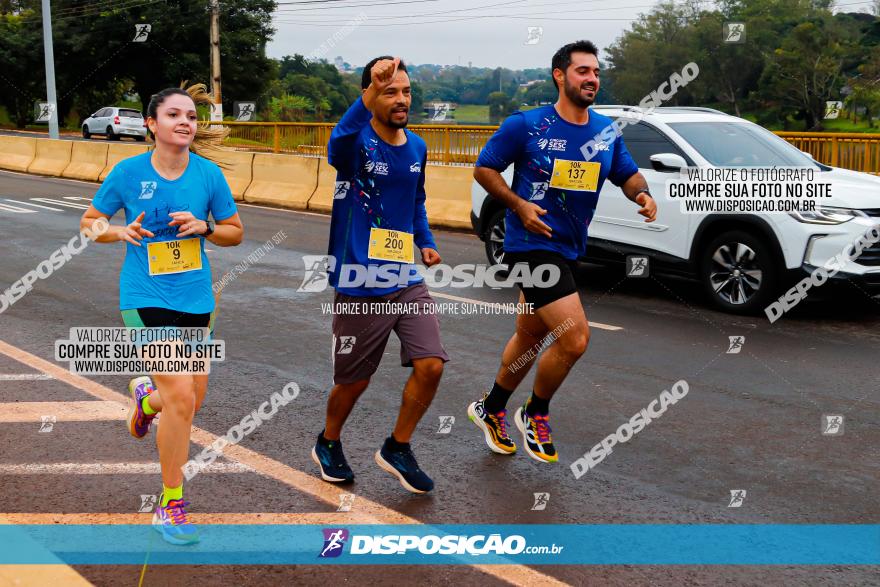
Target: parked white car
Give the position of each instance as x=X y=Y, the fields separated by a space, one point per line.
x=113 y=122
x=744 y=261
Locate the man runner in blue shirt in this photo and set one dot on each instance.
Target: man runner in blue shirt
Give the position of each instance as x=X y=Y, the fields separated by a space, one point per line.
x=378 y=221
x=550 y=205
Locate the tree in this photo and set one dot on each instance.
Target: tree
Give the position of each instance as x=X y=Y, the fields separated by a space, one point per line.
x=290 y=108
x=500 y=106
x=20 y=78
x=806 y=70
x=96 y=60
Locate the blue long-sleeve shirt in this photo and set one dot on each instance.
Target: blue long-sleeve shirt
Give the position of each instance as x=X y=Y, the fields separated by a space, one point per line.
x=377 y=185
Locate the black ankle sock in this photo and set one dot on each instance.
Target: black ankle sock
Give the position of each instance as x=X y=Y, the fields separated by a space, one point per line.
x=394 y=445
x=324 y=440
x=537 y=406
x=497 y=399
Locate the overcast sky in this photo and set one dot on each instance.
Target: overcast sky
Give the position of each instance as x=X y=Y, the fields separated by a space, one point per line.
x=487 y=33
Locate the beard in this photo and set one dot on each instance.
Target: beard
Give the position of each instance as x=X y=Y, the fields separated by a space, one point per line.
x=574 y=94
x=388 y=120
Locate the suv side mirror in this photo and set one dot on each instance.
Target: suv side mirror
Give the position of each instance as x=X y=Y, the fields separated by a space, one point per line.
x=667 y=162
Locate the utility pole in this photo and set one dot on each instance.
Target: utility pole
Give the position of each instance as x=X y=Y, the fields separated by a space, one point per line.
x=215 y=57
x=49 y=53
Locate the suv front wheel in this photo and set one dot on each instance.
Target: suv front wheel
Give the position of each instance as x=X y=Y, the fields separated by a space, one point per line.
x=495 y=231
x=739 y=272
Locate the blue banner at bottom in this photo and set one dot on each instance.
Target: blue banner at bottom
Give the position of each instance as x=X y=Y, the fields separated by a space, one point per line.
x=600 y=544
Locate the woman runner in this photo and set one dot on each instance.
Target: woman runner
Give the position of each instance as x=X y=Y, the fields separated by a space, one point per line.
x=167 y=194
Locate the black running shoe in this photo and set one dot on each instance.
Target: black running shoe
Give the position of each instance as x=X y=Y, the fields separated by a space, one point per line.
x=402 y=464
x=329 y=457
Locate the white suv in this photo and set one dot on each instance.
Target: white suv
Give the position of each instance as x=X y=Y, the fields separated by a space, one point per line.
x=744 y=261
x=114 y=123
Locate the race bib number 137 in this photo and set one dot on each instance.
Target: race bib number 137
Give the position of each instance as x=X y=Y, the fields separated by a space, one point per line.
x=581 y=176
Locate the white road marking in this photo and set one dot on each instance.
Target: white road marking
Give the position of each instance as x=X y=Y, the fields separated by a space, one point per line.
x=370 y=511
x=108 y=468
x=34 y=205
x=60 y=203
x=16 y=209
x=26 y=377
x=446 y=296
x=78 y=411
x=306 y=212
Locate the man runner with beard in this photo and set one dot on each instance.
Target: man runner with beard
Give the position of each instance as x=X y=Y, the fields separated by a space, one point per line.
x=378 y=221
x=550 y=205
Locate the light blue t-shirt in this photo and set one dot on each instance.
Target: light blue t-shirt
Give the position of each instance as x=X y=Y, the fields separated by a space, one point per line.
x=136 y=186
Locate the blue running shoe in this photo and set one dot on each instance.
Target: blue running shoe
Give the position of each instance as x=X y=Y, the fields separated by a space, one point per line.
x=172 y=522
x=402 y=464
x=329 y=457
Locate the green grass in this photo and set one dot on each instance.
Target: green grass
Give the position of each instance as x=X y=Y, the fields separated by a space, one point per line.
x=471 y=114
x=846 y=125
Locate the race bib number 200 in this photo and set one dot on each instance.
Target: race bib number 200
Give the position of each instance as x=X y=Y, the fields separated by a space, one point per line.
x=581 y=176
x=391 y=245
x=175 y=256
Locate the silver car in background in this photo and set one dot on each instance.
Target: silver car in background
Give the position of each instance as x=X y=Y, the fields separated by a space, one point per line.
x=113 y=123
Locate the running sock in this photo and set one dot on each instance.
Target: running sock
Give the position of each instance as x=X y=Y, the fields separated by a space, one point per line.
x=170 y=493
x=324 y=440
x=395 y=446
x=537 y=406
x=148 y=410
x=497 y=399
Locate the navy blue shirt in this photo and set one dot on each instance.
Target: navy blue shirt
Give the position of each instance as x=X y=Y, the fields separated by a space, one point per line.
x=532 y=140
x=377 y=185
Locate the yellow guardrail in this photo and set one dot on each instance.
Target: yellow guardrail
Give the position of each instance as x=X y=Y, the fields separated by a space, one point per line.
x=850 y=150
x=449 y=144
x=460 y=144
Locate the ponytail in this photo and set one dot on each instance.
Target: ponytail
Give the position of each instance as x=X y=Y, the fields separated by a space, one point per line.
x=208 y=141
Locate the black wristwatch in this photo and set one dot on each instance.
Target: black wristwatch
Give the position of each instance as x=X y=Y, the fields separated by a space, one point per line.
x=210 y=230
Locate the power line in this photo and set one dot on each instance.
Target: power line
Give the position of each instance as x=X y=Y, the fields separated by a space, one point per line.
x=362 y=5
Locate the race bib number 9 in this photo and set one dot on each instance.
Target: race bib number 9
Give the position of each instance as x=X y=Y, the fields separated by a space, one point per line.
x=174 y=256
x=581 y=176
x=391 y=245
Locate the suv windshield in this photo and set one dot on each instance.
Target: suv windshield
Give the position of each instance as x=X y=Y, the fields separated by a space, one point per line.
x=130 y=113
x=736 y=144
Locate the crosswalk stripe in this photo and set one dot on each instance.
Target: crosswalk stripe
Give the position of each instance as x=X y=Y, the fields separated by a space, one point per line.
x=299 y=518
x=60 y=203
x=26 y=203
x=25 y=377
x=38 y=575
x=109 y=468
x=86 y=411
x=16 y=209
x=373 y=512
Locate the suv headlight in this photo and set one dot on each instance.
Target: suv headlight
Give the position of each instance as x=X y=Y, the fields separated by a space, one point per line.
x=826 y=215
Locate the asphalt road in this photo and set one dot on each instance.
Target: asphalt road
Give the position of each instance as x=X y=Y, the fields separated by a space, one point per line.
x=752 y=420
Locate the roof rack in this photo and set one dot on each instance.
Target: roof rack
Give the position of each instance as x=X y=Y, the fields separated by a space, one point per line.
x=695 y=108
x=616 y=106
x=636 y=108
